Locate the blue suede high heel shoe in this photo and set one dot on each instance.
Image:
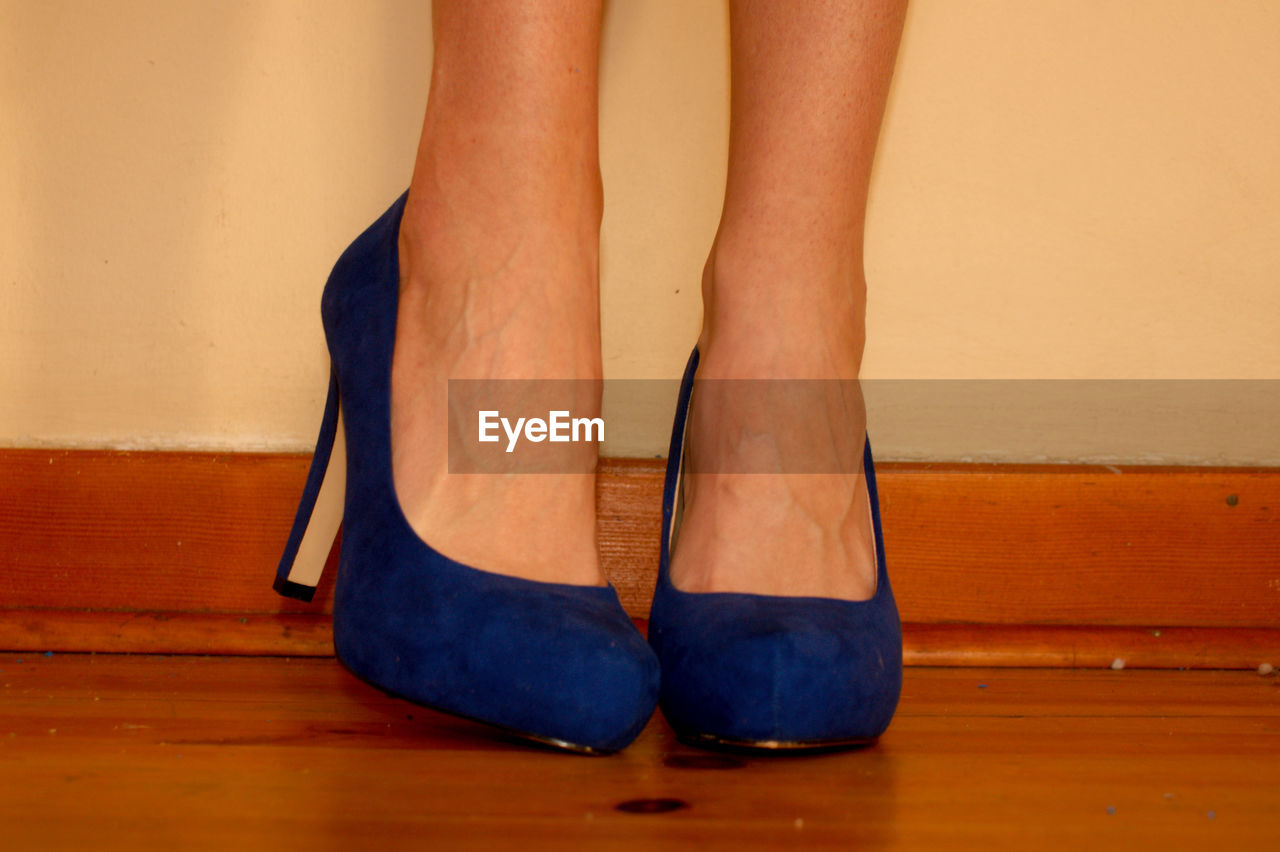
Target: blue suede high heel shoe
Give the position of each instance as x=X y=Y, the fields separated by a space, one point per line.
x=557 y=663
x=766 y=672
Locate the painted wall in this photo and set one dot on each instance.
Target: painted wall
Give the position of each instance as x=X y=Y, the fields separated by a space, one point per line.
x=1066 y=189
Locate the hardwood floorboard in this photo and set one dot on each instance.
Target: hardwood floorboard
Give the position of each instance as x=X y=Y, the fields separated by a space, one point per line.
x=154 y=751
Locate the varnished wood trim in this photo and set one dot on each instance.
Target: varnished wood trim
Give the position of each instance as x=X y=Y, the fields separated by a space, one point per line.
x=1089 y=646
x=304 y=635
x=289 y=634
x=994 y=544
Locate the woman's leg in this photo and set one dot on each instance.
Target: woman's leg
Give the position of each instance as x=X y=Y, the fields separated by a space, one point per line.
x=784 y=297
x=499 y=251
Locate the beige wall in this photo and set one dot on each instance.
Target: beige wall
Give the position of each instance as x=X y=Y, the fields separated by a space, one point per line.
x=1067 y=189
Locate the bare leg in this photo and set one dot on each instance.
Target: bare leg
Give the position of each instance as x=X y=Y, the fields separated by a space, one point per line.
x=499 y=251
x=784 y=294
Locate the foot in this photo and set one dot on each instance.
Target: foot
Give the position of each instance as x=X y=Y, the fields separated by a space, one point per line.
x=495 y=292
x=775 y=499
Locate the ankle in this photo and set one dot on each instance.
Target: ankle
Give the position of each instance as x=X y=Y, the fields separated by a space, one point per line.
x=552 y=247
x=764 y=319
x=508 y=165
x=479 y=288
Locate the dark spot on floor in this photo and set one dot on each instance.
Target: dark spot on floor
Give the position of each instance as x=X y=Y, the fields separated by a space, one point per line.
x=651 y=806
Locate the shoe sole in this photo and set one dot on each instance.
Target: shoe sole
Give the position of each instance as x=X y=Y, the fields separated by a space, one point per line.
x=540 y=739
x=773 y=747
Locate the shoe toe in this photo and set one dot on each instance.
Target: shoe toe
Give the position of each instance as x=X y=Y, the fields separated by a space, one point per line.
x=780 y=672
x=561 y=664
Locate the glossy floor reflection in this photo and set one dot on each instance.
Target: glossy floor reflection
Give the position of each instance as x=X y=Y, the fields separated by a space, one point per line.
x=147 y=752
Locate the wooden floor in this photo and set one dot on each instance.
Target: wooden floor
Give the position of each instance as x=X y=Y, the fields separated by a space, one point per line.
x=122 y=751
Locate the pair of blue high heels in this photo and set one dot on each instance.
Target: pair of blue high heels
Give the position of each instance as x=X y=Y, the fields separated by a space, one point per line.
x=557 y=663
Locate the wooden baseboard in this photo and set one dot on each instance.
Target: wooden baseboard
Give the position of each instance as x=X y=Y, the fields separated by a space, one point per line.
x=311 y=635
x=175 y=552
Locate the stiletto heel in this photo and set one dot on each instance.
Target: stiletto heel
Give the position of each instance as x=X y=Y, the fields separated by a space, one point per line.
x=553 y=662
x=763 y=672
x=320 y=511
